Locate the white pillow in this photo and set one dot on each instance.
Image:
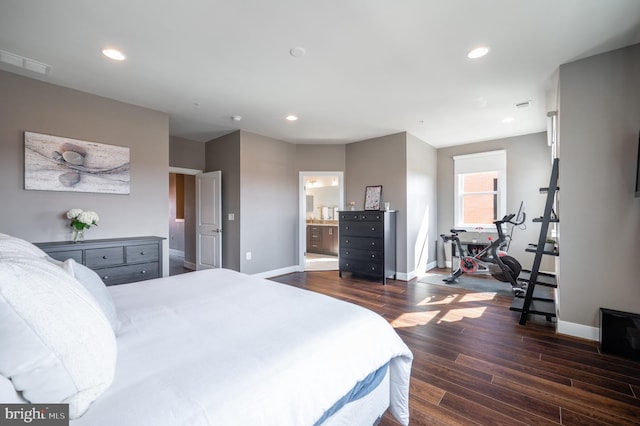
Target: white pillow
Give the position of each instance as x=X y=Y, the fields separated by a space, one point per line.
x=14 y=244
x=57 y=345
x=8 y=394
x=94 y=284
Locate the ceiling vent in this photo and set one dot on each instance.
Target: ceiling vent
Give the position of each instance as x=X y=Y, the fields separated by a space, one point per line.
x=22 y=62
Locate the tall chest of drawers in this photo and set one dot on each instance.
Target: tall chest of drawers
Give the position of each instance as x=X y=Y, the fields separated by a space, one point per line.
x=116 y=260
x=368 y=243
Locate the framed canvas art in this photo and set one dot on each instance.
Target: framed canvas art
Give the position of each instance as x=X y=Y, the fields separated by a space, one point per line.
x=372 y=197
x=53 y=163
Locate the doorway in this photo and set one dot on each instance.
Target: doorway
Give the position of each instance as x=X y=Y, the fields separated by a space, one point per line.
x=181 y=220
x=321 y=197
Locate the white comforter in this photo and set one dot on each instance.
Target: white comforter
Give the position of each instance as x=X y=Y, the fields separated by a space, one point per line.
x=217 y=347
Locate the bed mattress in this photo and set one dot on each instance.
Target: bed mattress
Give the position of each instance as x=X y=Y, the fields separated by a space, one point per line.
x=219 y=347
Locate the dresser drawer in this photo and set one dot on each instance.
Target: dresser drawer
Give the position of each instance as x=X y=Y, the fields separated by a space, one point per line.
x=373 y=216
x=129 y=273
x=121 y=260
x=359 y=254
x=142 y=253
x=349 y=216
x=67 y=254
x=362 y=229
x=96 y=258
x=367 y=268
x=361 y=242
x=362 y=216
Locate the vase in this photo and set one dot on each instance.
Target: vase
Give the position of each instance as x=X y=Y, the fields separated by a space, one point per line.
x=78 y=235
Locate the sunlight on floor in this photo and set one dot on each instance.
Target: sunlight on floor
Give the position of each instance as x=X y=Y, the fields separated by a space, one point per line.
x=412 y=319
x=431 y=300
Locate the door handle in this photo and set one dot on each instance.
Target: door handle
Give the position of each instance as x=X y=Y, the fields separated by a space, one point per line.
x=217 y=231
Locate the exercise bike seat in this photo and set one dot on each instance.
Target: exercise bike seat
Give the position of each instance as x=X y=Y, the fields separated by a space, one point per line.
x=457 y=231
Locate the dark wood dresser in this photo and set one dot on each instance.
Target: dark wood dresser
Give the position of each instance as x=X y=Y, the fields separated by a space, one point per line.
x=116 y=260
x=368 y=243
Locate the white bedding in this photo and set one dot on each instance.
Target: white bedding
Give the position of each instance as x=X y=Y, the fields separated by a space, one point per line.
x=217 y=347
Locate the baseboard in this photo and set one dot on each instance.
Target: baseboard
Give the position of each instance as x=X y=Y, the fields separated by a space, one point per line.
x=405 y=277
x=431 y=265
x=578 y=330
x=175 y=252
x=276 y=272
x=189 y=265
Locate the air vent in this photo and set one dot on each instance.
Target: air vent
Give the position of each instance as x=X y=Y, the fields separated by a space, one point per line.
x=22 y=62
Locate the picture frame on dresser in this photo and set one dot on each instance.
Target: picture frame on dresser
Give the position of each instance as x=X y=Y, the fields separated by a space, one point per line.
x=372 y=197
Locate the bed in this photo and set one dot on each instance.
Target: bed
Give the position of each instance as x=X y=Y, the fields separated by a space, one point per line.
x=210 y=347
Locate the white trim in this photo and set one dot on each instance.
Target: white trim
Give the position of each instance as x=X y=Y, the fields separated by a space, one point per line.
x=401 y=276
x=578 y=330
x=183 y=171
x=276 y=272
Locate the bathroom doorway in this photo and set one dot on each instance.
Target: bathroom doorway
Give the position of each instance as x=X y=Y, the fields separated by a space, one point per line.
x=321 y=197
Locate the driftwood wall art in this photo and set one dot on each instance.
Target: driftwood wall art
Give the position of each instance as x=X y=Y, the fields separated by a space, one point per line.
x=53 y=163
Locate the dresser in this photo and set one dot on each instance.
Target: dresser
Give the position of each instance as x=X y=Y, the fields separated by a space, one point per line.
x=116 y=260
x=368 y=243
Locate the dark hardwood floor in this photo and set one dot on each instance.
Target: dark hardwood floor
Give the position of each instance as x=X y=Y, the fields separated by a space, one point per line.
x=474 y=364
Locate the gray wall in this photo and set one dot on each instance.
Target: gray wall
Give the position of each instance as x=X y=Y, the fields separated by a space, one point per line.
x=269 y=201
x=528 y=169
x=31 y=105
x=311 y=158
x=421 y=204
x=381 y=161
x=224 y=154
x=186 y=153
x=599 y=118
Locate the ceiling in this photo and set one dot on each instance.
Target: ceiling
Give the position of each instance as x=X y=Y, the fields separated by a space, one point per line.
x=371 y=68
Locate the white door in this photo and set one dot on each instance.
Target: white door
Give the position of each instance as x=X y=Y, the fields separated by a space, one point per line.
x=208 y=221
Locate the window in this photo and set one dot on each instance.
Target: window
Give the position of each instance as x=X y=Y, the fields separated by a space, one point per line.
x=480 y=189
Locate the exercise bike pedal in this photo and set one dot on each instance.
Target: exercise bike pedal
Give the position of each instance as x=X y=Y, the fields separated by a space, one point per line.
x=450 y=280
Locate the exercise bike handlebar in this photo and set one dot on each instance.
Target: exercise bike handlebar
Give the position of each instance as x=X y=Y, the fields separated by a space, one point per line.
x=509 y=219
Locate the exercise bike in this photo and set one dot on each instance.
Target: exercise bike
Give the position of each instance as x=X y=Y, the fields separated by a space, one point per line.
x=493 y=259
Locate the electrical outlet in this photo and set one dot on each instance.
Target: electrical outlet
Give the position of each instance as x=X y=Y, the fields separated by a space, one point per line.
x=232 y=216
x=248 y=255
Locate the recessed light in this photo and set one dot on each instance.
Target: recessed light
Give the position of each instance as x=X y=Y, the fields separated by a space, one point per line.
x=478 y=52
x=508 y=120
x=291 y=117
x=114 y=54
x=236 y=117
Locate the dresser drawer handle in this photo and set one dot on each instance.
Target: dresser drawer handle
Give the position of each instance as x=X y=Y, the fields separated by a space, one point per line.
x=347 y=241
x=141 y=253
x=373 y=256
x=373 y=243
x=143 y=272
x=106 y=277
x=347 y=227
x=105 y=257
x=373 y=228
x=347 y=252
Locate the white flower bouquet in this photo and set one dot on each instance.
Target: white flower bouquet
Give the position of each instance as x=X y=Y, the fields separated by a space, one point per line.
x=81 y=220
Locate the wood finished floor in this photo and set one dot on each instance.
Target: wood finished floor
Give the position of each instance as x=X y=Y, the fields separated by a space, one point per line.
x=474 y=364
